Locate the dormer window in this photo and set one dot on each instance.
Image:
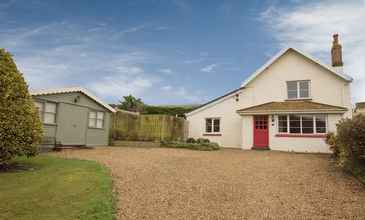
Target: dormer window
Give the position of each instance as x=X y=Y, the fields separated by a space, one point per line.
x=298 y=89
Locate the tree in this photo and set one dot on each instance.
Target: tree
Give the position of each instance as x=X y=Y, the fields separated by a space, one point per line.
x=20 y=126
x=131 y=103
x=178 y=111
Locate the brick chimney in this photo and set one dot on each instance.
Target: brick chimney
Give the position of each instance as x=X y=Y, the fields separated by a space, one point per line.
x=336 y=54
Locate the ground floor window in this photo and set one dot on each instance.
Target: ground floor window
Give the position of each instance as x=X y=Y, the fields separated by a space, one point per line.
x=302 y=124
x=212 y=125
x=47 y=112
x=96 y=119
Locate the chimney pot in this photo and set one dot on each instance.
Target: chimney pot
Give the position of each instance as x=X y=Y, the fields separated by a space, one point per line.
x=336 y=52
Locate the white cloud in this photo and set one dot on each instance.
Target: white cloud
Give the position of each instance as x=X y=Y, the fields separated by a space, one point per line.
x=70 y=58
x=117 y=87
x=209 y=68
x=203 y=54
x=182 y=5
x=166 y=88
x=191 y=61
x=310 y=26
x=161 y=28
x=133 y=29
x=180 y=92
x=185 y=94
x=166 y=71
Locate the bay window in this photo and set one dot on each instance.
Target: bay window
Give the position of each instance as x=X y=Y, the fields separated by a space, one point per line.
x=320 y=124
x=298 y=89
x=302 y=124
x=283 y=124
x=294 y=124
x=212 y=125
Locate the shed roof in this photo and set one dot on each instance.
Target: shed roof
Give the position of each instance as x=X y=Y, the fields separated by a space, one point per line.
x=70 y=90
x=292 y=107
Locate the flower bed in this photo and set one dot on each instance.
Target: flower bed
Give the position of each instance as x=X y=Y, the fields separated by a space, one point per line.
x=193 y=144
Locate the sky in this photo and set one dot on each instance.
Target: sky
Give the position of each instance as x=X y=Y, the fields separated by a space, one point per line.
x=172 y=51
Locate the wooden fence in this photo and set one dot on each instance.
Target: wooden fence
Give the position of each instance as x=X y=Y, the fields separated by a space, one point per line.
x=132 y=127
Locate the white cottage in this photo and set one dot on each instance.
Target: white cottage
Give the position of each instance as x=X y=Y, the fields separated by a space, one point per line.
x=288 y=104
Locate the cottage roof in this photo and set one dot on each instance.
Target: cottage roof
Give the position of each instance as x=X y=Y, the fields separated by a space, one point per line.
x=291 y=107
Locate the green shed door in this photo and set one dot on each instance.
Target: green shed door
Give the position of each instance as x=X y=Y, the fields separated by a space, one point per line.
x=72 y=122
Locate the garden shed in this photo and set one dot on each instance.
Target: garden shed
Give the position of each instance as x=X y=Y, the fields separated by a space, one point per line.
x=73 y=117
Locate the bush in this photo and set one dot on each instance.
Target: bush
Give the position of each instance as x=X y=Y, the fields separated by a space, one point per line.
x=331 y=141
x=190 y=140
x=351 y=137
x=202 y=140
x=348 y=145
x=207 y=146
x=20 y=126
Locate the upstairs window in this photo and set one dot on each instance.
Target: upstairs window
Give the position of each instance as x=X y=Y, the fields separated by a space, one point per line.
x=298 y=89
x=212 y=125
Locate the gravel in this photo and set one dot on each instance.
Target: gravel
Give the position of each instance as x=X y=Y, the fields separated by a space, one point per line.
x=159 y=183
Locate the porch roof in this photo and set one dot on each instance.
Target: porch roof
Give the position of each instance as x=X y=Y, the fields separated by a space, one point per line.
x=302 y=106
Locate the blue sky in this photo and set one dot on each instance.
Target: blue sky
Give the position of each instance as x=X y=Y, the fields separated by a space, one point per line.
x=172 y=51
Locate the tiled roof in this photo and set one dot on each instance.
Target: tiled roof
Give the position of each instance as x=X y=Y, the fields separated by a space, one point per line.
x=69 y=90
x=292 y=106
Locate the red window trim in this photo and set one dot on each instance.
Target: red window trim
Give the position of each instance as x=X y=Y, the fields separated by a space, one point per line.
x=302 y=135
x=212 y=134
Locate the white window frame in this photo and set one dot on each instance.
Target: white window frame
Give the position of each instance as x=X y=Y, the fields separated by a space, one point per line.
x=213 y=132
x=301 y=124
x=96 y=119
x=298 y=89
x=43 y=112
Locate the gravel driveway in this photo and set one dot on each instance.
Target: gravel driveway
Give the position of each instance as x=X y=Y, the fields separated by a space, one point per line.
x=158 y=183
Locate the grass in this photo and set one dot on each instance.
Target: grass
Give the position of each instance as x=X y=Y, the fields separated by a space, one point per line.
x=56 y=188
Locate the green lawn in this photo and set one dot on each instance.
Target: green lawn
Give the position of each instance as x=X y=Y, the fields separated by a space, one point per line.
x=56 y=188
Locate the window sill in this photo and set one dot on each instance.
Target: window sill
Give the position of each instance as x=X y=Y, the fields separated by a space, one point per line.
x=299 y=99
x=302 y=135
x=96 y=128
x=212 y=134
x=50 y=124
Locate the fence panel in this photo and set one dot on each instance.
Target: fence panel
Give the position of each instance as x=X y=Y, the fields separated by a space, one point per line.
x=126 y=126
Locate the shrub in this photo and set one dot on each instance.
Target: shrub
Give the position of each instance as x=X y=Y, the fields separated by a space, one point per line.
x=20 y=126
x=350 y=138
x=193 y=146
x=348 y=145
x=331 y=141
x=190 y=140
x=202 y=140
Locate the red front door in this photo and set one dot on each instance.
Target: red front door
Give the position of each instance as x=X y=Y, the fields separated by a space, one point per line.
x=260 y=131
